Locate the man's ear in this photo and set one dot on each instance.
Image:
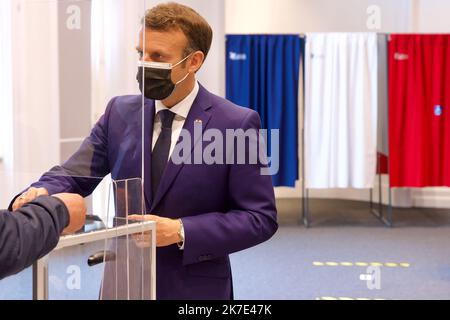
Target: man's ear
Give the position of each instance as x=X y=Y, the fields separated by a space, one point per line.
x=196 y=61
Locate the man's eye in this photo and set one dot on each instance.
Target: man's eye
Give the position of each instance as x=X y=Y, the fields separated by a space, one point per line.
x=157 y=57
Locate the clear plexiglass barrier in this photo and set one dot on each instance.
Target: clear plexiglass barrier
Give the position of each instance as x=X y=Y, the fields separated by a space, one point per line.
x=107 y=262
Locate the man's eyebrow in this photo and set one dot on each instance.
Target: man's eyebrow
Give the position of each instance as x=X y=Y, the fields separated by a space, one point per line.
x=156 y=51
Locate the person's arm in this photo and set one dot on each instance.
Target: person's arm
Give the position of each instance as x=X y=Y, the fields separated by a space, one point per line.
x=251 y=220
x=80 y=174
x=30 y=233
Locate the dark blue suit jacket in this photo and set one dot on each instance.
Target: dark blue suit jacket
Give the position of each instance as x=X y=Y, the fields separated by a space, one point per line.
x=225 y=208
x=30 y=233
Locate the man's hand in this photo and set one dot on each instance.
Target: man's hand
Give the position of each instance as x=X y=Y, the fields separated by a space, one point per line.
x=77 y=211
x=29 y=196
x=166 y=231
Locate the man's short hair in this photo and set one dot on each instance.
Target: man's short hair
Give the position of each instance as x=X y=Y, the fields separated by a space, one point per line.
x=170 y=16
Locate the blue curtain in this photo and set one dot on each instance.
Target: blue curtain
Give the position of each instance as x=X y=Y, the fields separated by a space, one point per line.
x=263 y=74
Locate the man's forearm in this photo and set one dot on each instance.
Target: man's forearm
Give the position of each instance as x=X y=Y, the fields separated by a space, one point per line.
x=30 y=233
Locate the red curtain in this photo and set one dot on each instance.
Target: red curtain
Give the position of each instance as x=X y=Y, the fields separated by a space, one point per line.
x=419 y=110
x=382 y=164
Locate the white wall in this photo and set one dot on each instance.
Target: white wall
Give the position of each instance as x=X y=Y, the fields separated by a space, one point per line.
x=212 y=74
x=299 y=16
x=431 y=16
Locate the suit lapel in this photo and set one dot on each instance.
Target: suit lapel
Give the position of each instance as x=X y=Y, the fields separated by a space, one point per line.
x=199 y=111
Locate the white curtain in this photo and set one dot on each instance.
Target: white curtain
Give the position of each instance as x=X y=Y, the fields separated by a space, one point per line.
x=340 y=110
x=5 y=101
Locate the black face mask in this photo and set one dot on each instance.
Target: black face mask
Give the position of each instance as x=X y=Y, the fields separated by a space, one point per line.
x=155 y=79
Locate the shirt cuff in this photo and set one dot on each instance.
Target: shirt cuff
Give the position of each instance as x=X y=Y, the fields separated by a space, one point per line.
x=182 y=236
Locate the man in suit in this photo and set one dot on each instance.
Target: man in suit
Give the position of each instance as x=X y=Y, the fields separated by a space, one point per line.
x=33 y=231
x=204 y=212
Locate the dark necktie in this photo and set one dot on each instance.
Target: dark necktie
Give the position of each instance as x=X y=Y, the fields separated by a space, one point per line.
x=160 y=154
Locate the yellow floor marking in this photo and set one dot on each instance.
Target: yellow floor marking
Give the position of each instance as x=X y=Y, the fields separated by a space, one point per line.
x=347 y=264
x=348 y=299
x=391 y=264
x=405 y=265
x=362 y=264
x=376 y=264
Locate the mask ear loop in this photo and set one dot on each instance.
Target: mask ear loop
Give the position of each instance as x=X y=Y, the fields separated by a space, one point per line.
x=187 y=75
x=183 y=79
x=182 y=60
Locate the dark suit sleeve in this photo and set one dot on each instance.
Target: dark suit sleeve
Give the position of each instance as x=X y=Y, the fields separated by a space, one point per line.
x=251 y=220
x=30 y=233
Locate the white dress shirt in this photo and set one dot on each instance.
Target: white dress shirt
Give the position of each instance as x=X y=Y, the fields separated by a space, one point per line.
x=181 y=111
